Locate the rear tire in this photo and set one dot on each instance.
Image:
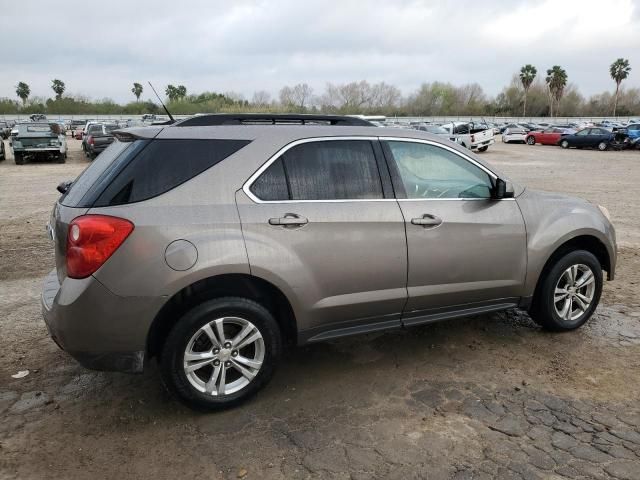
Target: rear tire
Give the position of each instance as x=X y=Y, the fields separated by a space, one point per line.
x=18 y=158
x=531 y=140
x=569 y=292
x=191 y=336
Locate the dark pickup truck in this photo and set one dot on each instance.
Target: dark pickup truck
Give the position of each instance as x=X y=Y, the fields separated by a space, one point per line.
x=98 y=137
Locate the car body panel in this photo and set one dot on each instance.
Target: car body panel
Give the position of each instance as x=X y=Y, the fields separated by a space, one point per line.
x=552 y=219
x=344 y=272
x=477 y=254
x=349 y=263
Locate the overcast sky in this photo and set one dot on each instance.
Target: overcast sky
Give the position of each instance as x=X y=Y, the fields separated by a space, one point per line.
x=99 y=48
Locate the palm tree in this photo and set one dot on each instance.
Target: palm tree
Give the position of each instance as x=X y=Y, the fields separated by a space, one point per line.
x=58 y=87
x=527 y=76
x=23 y=91
x=556 y=81
x=137 y=90
x=619 y=70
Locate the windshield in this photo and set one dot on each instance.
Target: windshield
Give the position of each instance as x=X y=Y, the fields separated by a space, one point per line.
x=437 y=130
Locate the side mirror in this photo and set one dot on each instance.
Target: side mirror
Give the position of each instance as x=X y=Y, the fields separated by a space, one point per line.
x=502 y=189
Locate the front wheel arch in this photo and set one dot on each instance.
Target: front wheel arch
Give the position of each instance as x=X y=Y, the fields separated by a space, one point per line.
x=583 y=242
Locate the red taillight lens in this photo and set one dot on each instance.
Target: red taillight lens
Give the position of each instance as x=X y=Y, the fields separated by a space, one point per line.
x=90 y=140
x=91 y=240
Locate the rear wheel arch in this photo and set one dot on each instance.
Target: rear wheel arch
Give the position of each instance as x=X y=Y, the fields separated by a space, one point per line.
x=225 y=285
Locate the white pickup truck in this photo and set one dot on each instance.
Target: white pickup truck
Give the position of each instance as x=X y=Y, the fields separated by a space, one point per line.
x=476 y=137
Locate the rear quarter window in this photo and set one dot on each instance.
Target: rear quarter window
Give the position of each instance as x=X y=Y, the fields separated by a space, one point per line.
x=163 y=165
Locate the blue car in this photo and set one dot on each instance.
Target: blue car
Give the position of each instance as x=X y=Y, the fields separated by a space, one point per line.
x=594 y=137
x=633 y=130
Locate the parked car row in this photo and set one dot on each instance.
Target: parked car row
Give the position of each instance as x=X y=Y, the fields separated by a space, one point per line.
x=474 y=136
x=566 y=136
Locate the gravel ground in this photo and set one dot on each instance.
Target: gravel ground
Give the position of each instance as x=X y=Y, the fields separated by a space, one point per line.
x=490 y=396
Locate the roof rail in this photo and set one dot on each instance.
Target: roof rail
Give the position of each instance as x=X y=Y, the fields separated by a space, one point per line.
x=271 y=119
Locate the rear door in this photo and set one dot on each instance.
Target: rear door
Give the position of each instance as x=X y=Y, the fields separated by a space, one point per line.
x=320 y=221
x=465 y=249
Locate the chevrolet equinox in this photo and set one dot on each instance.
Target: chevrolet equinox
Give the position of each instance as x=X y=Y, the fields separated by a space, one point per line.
x=212 y=243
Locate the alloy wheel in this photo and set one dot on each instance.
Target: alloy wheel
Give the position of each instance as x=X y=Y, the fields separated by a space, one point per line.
x=574 y=292
x=224 y=356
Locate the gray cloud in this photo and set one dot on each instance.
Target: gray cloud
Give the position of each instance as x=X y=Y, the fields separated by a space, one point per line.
x=100 y=49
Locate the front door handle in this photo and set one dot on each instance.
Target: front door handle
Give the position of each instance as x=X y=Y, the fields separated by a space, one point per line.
x=289 y=220
x=427 y=220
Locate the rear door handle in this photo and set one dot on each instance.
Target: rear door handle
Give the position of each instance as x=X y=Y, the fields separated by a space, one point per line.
x=289 y=220
x=427 y=220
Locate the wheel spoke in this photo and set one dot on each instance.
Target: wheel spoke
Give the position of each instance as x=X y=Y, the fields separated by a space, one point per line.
x=222 y=383
x=561 y=293
x=567 y=315
x=198 y=365
x=573 y=272
x=242 y=334
x=248 y=362
x=565 y=307
x=587 y=278
x=583 y=298
x=220 y=330
x=211 y=384
x=582 y=305
x=249 y=340
x=248 y=374
x=193 y=356
x=212 y=336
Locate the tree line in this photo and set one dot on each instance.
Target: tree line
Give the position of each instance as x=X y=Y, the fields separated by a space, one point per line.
x=528 y=94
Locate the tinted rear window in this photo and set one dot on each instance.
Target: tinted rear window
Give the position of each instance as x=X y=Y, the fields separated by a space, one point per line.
x=97 y=169
x=325 y=170
x=162 y=166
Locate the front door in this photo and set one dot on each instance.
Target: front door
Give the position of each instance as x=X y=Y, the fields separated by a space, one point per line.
x=464 y=248
x=321 y=223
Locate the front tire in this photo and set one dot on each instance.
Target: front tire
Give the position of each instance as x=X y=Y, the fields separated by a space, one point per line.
x=220 y=353
x=564 y=144
x=531 y=140
x=483 y=149
x=18 y=158
x=602 y=146
x=569 y=292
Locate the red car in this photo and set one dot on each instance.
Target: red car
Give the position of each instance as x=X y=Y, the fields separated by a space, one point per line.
x=548 y=136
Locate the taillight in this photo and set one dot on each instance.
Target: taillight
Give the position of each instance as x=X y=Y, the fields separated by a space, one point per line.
x=91 y=240
x=90 y=140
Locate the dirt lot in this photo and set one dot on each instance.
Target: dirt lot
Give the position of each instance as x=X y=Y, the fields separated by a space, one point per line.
x=491 y=396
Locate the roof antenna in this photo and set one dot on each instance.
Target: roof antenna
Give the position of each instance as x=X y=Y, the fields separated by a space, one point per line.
x=163 y=105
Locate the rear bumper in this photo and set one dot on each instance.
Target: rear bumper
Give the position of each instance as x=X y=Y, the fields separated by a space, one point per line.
x=484 y=143
x=101 y=330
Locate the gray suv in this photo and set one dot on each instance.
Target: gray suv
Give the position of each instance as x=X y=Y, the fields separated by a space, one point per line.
x=213 y=243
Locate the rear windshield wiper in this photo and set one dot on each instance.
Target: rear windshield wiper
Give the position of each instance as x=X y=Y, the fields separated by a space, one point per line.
x=64 y=186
